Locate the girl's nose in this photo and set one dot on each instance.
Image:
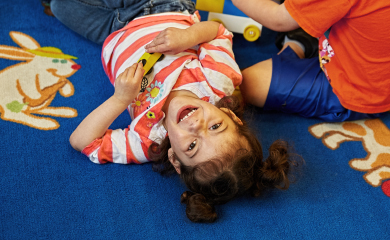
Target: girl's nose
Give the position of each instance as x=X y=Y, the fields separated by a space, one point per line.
x=76 y=66
x=197 y=124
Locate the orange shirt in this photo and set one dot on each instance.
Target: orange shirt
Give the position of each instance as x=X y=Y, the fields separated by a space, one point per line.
x=356 y=54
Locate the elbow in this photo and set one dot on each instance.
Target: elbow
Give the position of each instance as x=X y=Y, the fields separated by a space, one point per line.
x=283 y=26
x=283 y=21
x=75 y=143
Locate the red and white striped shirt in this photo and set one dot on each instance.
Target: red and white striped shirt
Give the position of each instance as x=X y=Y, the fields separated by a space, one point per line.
x=208 y=70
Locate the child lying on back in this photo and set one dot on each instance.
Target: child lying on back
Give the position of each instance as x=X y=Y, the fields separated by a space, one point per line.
x=185 y=119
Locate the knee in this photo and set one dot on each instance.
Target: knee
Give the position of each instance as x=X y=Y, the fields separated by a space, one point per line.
x=256 y=83
x=246 y=86
x=62 y=9
x=56 y=6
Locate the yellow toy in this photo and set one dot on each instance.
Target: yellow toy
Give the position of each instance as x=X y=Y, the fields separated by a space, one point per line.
x=148 y=61
x=225 y=12
x=210 y=5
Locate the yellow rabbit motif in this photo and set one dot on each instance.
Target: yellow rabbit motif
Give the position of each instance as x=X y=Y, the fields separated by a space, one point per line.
x=28 y=87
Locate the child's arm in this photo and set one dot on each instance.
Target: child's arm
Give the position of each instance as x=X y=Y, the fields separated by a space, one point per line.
x=175 y=40
x=268 y=13
x=127 y=86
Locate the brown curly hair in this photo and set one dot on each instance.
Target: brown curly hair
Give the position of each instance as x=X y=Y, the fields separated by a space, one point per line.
x=222 y=178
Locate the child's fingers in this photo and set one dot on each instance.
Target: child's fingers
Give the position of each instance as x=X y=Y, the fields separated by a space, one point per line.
x=156 y=44
x=161 y=48
x=157 y=41
x=139 y=72
x=153 y=49
x=129 y=72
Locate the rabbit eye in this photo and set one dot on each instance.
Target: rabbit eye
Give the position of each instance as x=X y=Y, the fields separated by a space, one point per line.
x=55 y=61
x=63 y=61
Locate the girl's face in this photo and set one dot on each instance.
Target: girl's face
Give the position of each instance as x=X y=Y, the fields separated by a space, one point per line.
x=198 y=130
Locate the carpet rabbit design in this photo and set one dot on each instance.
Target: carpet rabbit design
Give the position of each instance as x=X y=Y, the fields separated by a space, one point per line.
x=375 y=137
x=28 y=87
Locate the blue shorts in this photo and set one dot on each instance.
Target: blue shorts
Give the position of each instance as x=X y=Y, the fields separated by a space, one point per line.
x=300 y=86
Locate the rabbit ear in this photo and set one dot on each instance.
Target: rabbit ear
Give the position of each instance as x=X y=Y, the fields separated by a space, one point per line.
x=24 y=40
x=14 y=53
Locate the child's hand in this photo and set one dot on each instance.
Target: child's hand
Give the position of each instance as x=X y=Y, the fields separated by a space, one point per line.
x=170 y=41
x=128 y=83
x=127 y=87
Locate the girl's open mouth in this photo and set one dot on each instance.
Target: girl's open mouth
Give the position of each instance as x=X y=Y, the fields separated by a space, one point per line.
x=185 y=112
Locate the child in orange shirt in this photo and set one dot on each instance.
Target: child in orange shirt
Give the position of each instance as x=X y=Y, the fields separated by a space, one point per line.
x=351 y=80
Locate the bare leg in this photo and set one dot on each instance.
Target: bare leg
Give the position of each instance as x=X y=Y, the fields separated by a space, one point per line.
x=257 y=78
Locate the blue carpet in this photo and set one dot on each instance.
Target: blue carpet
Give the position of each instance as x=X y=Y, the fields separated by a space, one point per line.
x=50 y=191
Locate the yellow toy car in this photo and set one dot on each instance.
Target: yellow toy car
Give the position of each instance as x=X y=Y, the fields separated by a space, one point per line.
x=231 y=17
x=149 y=59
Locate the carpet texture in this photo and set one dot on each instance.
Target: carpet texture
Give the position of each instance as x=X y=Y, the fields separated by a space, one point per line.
x=50 y=191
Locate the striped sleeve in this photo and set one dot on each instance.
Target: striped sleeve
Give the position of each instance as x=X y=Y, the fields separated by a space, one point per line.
x=125 y=46
x=117 y=146
x=218 y=63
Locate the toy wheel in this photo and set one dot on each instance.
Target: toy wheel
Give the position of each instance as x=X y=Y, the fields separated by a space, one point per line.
x=161 y=58
x=150 y=70
x=143 y=62
x=251 y=33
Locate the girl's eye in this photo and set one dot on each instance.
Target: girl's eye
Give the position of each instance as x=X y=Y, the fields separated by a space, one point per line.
x=63 y=61
x=215 y=126
x=192 y=145
x=55 y=60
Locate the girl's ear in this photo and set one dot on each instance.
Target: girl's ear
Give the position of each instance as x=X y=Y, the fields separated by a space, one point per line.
x=173 y=160
x=230 y=113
